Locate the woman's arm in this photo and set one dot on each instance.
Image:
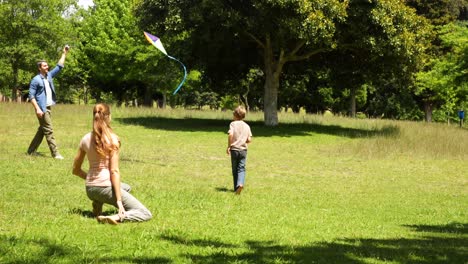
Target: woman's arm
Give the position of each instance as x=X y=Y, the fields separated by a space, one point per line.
x=115 y=180
x=77 y=162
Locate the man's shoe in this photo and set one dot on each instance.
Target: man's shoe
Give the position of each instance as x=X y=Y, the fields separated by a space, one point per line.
x=59 y=157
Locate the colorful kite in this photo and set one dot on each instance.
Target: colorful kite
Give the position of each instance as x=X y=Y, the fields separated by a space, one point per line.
x=158 y=44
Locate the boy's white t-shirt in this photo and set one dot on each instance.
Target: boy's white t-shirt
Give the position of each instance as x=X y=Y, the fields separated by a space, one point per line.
x=240 y=132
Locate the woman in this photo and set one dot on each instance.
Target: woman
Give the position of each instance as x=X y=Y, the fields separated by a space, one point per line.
x=103 y=177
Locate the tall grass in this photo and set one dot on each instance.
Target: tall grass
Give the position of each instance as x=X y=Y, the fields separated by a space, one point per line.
x=382 y=137
x=318 y=190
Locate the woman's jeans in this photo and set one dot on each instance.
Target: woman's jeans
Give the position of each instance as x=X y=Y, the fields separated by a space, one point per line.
x=134 y=210
x=238 y=160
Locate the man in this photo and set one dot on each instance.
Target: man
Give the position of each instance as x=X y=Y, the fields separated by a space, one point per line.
x=42 y=96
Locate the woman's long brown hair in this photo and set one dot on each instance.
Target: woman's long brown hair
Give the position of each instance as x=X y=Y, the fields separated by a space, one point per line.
x=102 y=130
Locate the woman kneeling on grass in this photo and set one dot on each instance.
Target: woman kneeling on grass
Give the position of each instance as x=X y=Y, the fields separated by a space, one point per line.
x=103 y=178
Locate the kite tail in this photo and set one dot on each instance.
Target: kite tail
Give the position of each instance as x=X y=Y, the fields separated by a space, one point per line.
x=185 y=74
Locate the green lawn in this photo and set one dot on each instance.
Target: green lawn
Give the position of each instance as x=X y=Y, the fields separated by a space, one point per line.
x=318 y=190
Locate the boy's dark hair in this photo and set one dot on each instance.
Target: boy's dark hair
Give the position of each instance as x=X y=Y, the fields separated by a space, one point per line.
x=239 y=112
x=39 y=63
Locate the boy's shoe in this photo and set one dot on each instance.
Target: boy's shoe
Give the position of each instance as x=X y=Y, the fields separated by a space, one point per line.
x=106 y=220
x=58 y=157
x=239 y=189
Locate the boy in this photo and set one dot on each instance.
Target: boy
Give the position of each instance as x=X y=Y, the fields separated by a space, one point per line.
x=239 y=136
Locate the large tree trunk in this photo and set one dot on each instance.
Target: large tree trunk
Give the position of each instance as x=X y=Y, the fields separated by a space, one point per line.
x=270 y=102
x=272 y=68
x=428 y=111
x=272 y=73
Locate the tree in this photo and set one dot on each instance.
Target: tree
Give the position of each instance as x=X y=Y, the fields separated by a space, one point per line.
x=31 y=30
x=284 y=31
x=431 y=91
x=379 y=40
x=440 y=12
x=236 y=36
x=444 y=82
x=115 y=53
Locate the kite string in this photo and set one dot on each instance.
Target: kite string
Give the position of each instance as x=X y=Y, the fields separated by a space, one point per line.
x=185 y=74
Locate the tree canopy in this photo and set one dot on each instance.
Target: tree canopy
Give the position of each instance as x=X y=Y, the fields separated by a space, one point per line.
x=234 y=36
x=30 y=30
x=391 y=58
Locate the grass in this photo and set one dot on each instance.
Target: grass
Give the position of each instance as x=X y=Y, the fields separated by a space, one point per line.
x=318 y=190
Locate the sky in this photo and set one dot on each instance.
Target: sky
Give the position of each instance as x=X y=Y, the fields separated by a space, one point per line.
x=85 y=3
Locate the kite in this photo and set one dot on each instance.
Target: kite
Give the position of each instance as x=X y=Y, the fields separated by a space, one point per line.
x=155 y=41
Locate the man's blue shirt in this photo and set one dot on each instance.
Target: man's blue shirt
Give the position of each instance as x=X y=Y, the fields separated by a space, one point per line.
x=37 y=87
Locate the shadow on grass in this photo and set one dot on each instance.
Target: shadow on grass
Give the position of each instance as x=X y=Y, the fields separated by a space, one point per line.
x=447 y=245
x=39 y=251
x=223 y=189
x=439 y=244
x=37 y=154
x=456 y=228
x=258 y=128
x=89 y=214
x=176 y=239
